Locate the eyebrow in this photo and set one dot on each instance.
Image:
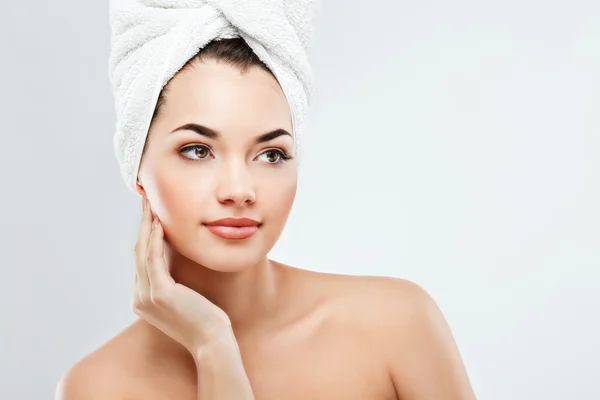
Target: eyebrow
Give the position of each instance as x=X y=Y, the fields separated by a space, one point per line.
x=212 y=134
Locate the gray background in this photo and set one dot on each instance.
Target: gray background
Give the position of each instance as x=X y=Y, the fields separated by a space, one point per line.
x=451 y=143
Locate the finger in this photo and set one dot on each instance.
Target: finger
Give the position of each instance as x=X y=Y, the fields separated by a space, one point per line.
x=141 y=249
x=135 y=284
x=136 y=301
x=156 y=267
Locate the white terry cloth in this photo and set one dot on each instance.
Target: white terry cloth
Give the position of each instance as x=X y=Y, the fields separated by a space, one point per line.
x=153 y=39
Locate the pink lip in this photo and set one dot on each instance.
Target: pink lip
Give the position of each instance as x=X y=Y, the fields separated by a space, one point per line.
x=233 y=228
x=233 y=232
x=234 y=222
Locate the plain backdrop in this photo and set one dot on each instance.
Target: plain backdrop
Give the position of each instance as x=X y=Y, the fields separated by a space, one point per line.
x=454 y=144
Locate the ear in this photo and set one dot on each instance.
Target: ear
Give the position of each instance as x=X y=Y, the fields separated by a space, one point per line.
x=139 y=188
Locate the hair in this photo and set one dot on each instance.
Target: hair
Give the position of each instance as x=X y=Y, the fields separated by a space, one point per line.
x=234 y=52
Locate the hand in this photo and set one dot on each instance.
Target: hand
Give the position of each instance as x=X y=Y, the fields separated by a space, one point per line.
x=178 y=311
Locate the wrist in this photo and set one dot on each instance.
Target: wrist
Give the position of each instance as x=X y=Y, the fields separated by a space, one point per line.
x=221 y=372
x=223 y=346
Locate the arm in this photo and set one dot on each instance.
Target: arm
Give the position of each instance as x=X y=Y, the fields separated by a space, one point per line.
x=424 y=362
x=221 y=373
x=187 y=317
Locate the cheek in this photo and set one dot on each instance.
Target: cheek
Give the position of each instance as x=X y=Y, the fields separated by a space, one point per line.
x=181 y=196
x=278 y=197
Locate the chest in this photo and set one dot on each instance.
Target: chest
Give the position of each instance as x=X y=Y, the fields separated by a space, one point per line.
x=326 y=366
x=319 y=369
x=320 y=357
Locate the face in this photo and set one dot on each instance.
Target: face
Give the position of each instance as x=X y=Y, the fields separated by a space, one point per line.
x=217 y=166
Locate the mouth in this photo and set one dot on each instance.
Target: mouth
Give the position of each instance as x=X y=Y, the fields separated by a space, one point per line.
x=233 y=232
x=233 y=228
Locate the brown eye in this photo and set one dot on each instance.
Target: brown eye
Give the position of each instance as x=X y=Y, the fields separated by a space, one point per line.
x=195 y=152
x=275 y=156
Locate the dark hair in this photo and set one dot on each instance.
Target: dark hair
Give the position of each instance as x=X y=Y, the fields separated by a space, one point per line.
x=234 y=52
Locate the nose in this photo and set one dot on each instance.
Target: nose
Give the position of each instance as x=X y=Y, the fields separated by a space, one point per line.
x=235 y=184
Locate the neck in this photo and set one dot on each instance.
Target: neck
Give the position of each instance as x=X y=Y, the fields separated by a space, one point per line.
x=251 y=296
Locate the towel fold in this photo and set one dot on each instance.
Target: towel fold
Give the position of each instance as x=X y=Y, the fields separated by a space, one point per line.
x=153 y=39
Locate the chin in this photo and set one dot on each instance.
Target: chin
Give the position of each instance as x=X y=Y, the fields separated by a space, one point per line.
x=234 y=261
x=225 y=255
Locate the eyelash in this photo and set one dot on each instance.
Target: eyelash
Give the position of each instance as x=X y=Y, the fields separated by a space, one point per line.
x=282 y=154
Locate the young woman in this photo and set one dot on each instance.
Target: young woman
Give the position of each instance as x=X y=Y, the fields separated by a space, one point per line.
x=218 y=319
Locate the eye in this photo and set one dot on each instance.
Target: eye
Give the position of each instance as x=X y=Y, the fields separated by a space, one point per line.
x=198 y=152
x=275 y=156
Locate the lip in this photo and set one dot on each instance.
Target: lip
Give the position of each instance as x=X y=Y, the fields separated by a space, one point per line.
x=237 y=222
x=233 y=228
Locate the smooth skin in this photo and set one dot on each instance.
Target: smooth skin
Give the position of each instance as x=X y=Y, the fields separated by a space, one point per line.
x=217 y=318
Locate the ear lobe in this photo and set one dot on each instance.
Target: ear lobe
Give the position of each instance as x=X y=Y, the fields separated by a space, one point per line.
x=139 y=188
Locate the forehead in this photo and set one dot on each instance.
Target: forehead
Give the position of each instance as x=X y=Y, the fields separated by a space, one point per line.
x=220 y=96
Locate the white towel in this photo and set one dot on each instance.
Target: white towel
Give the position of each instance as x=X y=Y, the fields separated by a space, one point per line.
x=153 y=39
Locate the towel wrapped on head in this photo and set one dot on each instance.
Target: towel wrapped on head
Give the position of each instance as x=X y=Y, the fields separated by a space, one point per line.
x=153 y=39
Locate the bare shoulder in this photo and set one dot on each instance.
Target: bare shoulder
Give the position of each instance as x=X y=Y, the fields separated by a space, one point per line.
x=401 y=292
x=403 y=326
x=397 y=309
x=376 y=297
x=121 y=369
x=395 y=298
x=95 y=376
x=381 y=303
x=391 y=310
